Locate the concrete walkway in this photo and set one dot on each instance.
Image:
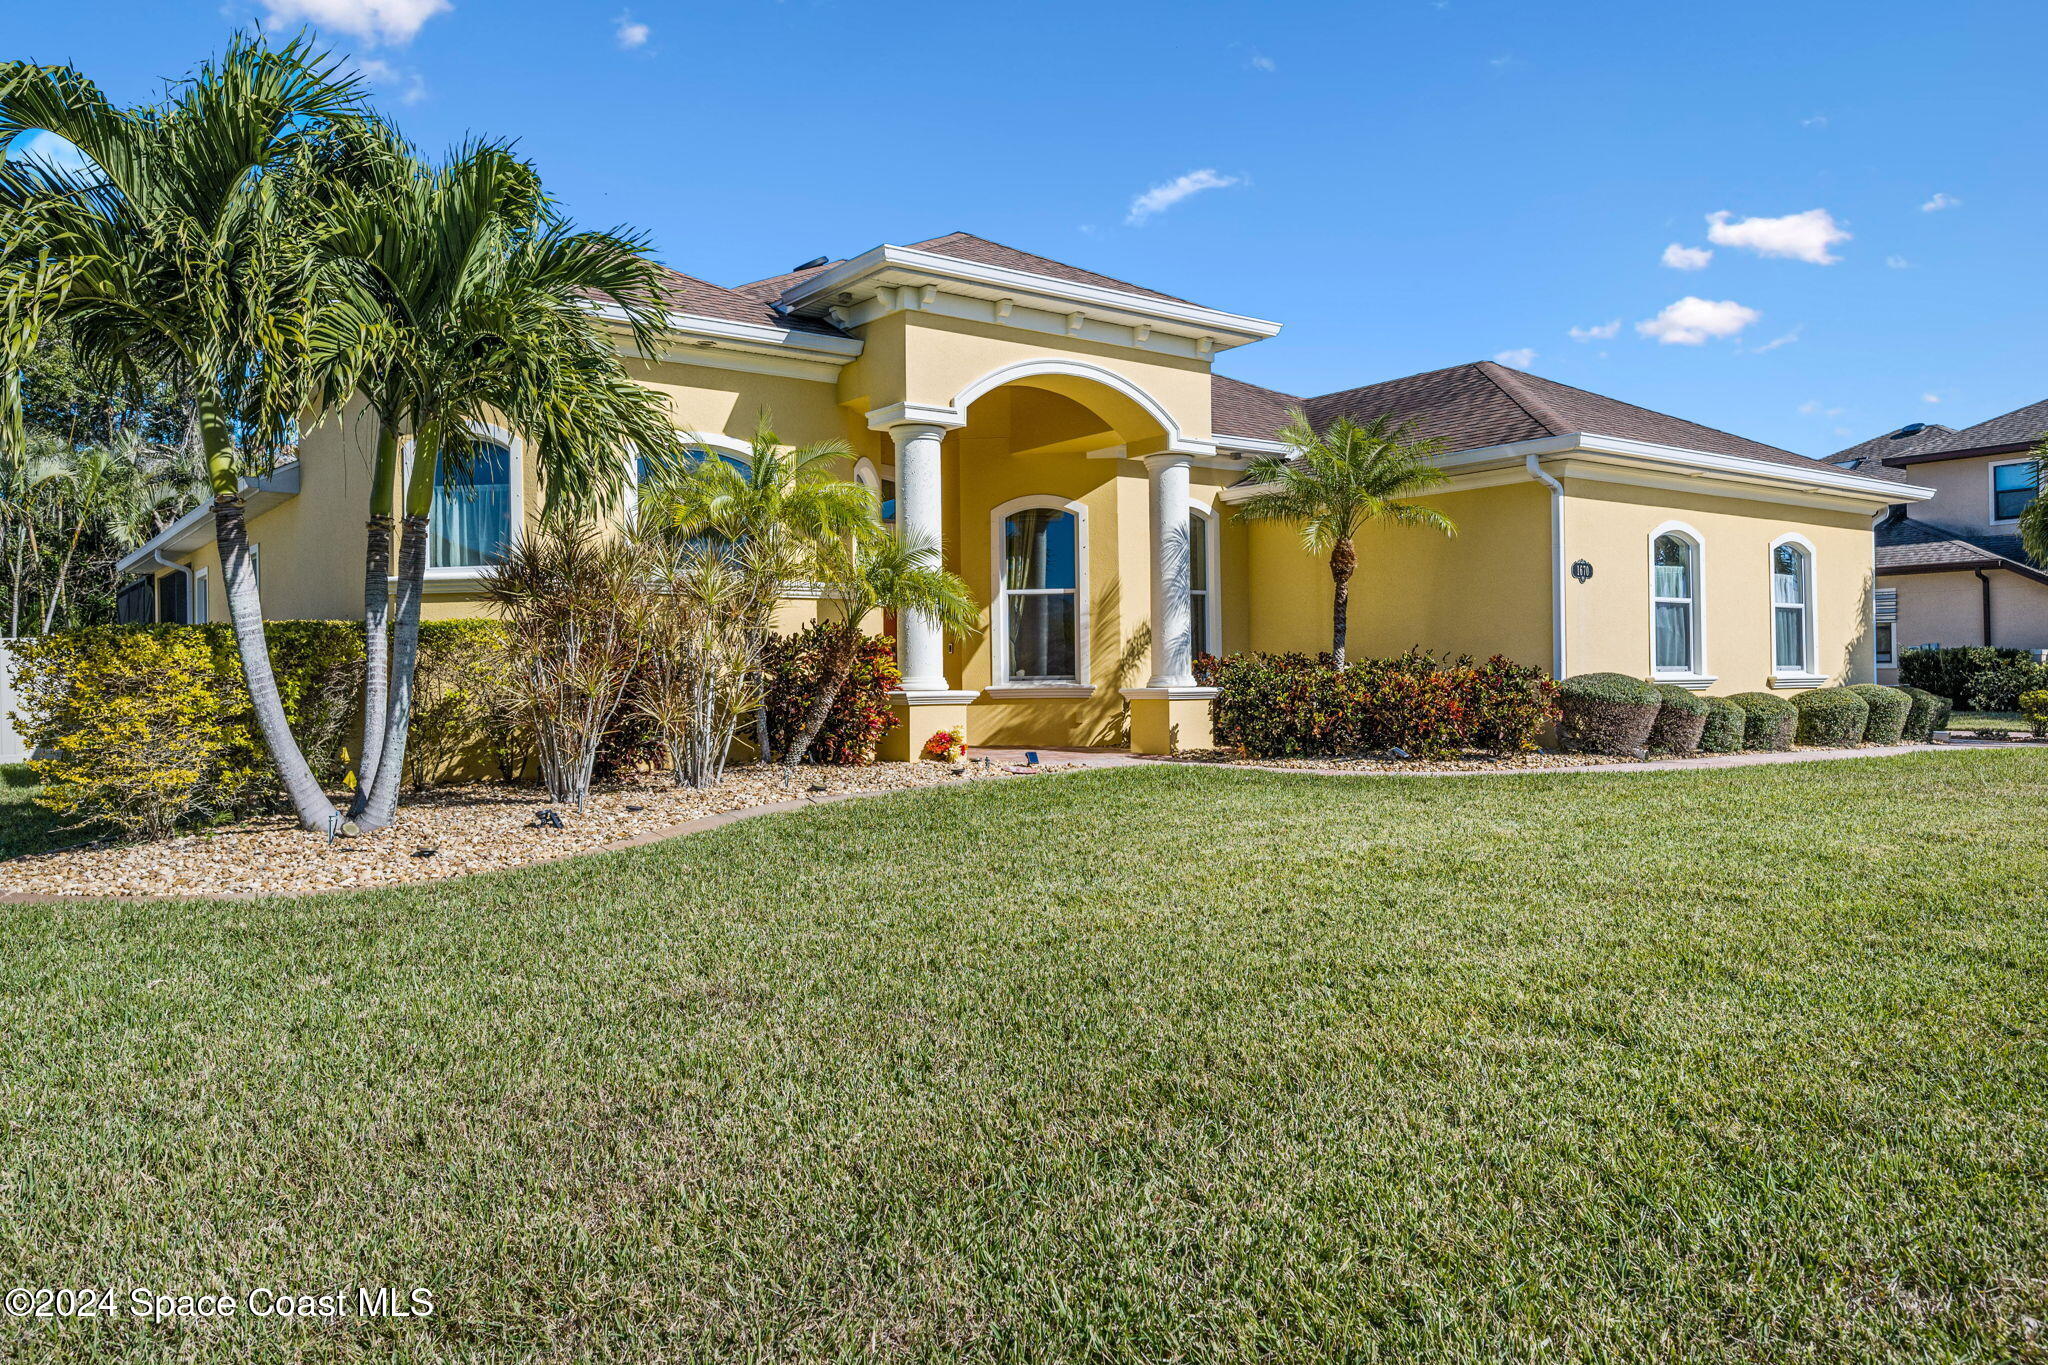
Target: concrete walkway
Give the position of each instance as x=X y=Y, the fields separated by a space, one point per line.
x=1654 y=765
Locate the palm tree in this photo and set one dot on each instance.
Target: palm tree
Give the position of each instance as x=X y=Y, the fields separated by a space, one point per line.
x=786 y=505
x=28 y=475
x=461 y=297
x=876 y=571
x=1338 y=480
x=185 y=245
x=105 y=489
x=2034 y=519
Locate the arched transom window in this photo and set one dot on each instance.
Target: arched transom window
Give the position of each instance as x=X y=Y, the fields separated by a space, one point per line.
x=1675 y=603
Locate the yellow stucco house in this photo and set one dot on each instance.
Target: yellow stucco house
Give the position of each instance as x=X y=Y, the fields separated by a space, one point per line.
x=1065 y=436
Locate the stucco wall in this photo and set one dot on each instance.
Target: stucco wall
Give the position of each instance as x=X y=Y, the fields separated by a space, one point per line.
x=1607 y=619
x=1948 y=609
x=1962 y=494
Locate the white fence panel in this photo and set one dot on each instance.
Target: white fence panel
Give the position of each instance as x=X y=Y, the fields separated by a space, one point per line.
x=12 y=749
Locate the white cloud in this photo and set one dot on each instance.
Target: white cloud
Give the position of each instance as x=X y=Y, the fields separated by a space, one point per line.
x=1521 y=358
x=409 y=86
x=1797 y=236
x=1691 y=321
x=1898 y=263
x=630 y=33
x=1600 y=331
x=1940 y=202
x=1160 y=198
x=1681 y=257
x=1930 y=398
x=1815 y=121
x=1813 y=407
x=1261 y=62
x=376 y=21
x=1785 y=340
x=53 y=151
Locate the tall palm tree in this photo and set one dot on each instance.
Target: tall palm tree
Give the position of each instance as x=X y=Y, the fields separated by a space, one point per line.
x=185 y=244
x=461 y=297
x=1338 y=480
x=104 y=490
x=28 y=475
x=787 y=505
x=876 y=571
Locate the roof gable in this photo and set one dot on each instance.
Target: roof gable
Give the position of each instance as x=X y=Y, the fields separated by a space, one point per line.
x=2021 y=426
x=965 y=246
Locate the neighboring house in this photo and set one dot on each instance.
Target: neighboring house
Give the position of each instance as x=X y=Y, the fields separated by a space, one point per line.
x=1063 y=435
x=1952 y=571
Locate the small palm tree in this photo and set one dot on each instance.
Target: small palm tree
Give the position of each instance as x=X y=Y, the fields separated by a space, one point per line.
x=2034 y=520
x=1338 y=480
x=877 y=571
x=788 y=506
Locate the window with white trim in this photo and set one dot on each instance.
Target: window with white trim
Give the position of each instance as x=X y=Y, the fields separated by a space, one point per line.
x=1199 y=569
x=1885 y=602
x=199 y=598
x=1040 y=609
x=2013 y=486
x=1791 y=608
x=470 y=523
x=1674 y=596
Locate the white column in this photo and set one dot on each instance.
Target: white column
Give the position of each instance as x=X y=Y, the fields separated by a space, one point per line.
x=1166 y=478
x=920 y=647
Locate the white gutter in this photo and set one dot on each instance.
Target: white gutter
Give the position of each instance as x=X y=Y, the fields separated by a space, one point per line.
x=190 y=583
x=1533 y=463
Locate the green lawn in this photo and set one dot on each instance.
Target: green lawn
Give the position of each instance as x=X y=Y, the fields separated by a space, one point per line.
x=26 y=827
x=1987 y=720
x=1154 y=1064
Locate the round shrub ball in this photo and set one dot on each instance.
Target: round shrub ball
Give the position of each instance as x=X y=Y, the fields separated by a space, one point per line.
x=1680 y=719
x=1888 y=710
x=1921 y=714
x=1722 y=733
x=1831 y=717
x=1606 y=713
x=1768 y=721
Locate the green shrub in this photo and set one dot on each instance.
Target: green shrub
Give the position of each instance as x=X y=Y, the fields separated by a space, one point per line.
x=1974 y=676
x=793 y=667
x=1928 y=714
x=462 y=718
x=1298 y=705
x=1830 y=717
x=2034 y=706
x=132 y=719
x=1889 y=708
x=1768 y=721
x=1607 y=713
x=1722 y=733
x=319 y=670
x=1681 y=718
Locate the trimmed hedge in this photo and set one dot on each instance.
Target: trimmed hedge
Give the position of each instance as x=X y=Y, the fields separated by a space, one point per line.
x=2034 y=706
x=1681 y=719
x=1768 y=721
x=1607 y=713
x=1888 y=710
x=1299 y=706
x=1927 y=714
x=1831 y=717
x=1722 y=734
x=1974 y=676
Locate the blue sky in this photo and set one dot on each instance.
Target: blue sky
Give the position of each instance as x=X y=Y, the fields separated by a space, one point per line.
x=1405 y=184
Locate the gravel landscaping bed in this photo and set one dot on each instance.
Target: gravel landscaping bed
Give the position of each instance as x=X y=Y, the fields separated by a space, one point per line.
x=470 y=829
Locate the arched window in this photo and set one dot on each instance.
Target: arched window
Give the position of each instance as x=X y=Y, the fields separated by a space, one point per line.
x=1675 y=603
x=1039 y=614
x=470 y=523
x=1203 y=635
x=1791 y=608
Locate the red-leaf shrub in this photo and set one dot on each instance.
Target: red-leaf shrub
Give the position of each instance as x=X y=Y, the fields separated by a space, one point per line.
x=1295 y=705
x=793 y=667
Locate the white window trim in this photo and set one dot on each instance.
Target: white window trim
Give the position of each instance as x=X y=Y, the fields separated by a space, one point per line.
x=1881 y=658
x=1212 y=596
x=195 y=610
x=1991 y=490
x=515 y=475
x=999 y=605
x=724 y=445
x=1696 y=677
x=1808 y=676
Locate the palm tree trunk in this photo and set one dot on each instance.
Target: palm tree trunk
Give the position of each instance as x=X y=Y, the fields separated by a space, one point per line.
x=838 y=667
x=1343 y=563
x=377 y=612
x=381 y=807
x=63 y=569
x=14 y=621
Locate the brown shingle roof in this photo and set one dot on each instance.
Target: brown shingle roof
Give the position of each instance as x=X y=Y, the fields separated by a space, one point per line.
x=964 y=246
x=1240 y=409
x=688 y=294
x=1485 y=404
x=2021 y=426
x=775 y=286
x=1867 y=457
x=1905 y=544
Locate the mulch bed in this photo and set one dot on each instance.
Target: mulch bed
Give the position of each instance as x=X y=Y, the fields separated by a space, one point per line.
x=468 y=829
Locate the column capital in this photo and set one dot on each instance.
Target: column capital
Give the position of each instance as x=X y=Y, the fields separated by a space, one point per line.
x=1163 y=460
x=898 y=415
